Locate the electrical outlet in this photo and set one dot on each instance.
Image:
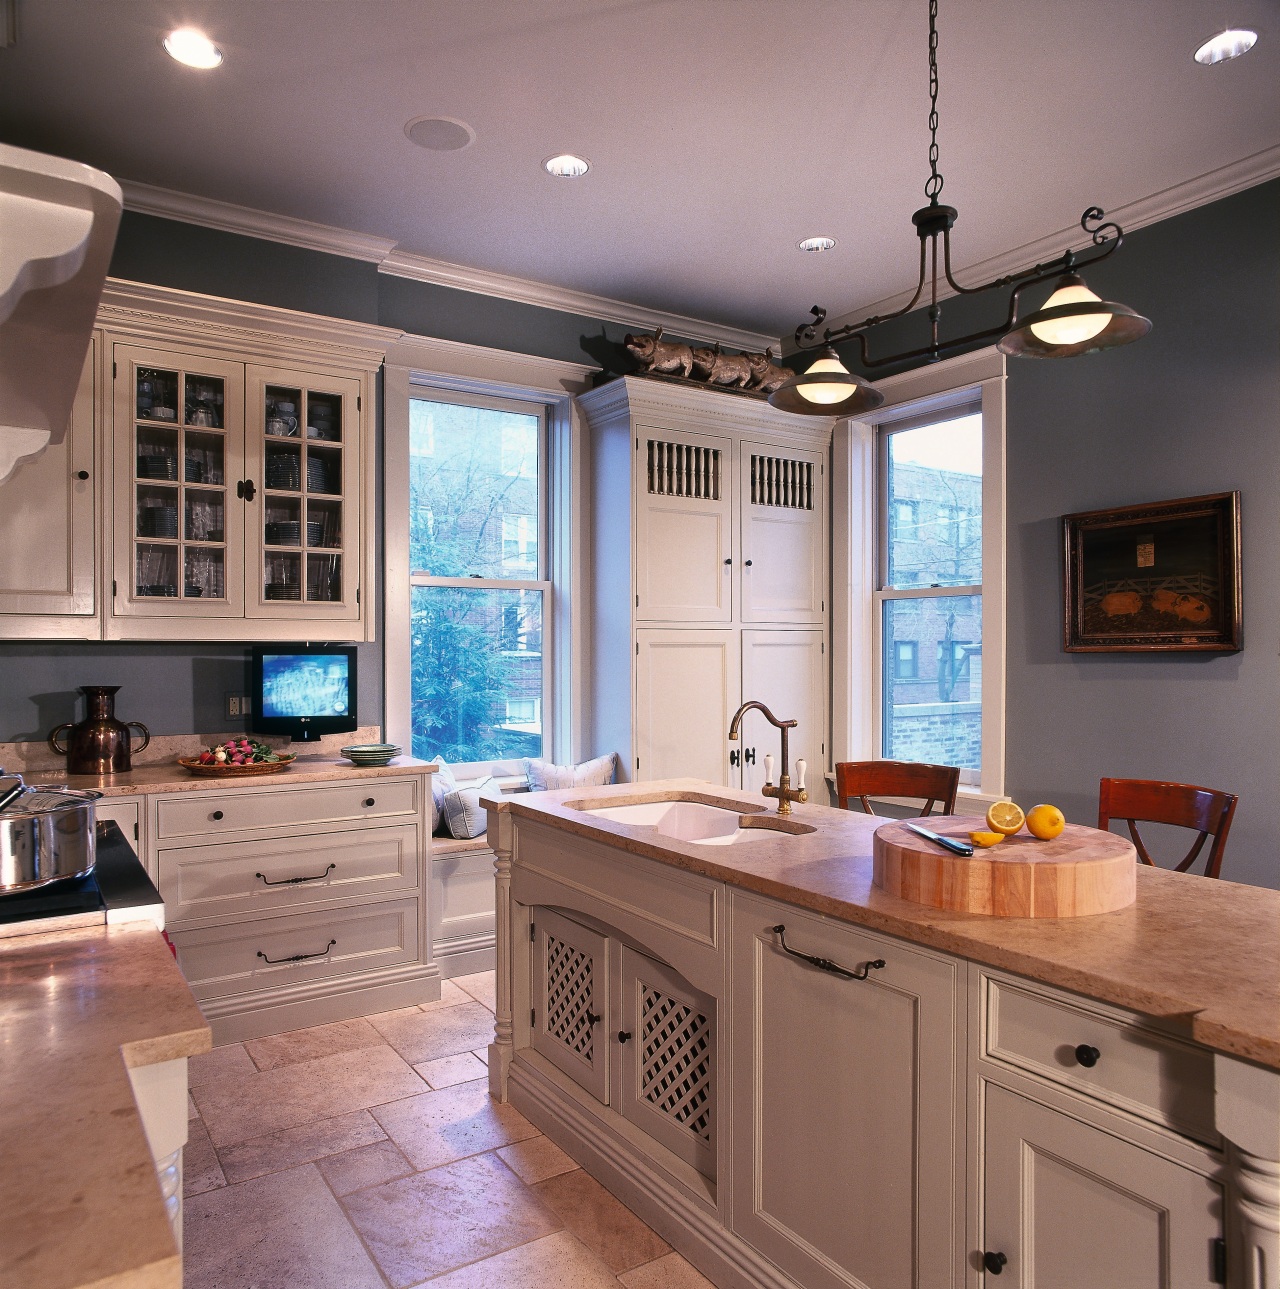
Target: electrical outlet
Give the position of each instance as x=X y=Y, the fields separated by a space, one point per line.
x=238 y=705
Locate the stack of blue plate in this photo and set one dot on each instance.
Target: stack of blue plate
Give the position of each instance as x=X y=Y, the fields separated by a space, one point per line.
x=371 y=754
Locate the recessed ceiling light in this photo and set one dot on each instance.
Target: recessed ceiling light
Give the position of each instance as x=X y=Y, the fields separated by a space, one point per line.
x=566 y=166
x=192 y=48
x=1226 y=44
x=817 y=243
x=440 y=133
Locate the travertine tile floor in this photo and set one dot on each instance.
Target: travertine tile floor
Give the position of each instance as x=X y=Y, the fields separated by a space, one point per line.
x=367 y=1153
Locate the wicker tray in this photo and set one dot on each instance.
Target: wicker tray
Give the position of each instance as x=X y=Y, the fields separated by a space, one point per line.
x=222 y=771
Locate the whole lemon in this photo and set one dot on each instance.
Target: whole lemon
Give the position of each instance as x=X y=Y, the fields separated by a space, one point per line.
x=1045 y=822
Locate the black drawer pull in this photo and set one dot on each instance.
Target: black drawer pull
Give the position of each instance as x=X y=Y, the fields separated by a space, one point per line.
x=298 y=957
x=293 y=881
x=825 y=964
x=217 y=814
x=368 y=801
x=624 y=1036
x=994 y=1262
x=1087 y=1056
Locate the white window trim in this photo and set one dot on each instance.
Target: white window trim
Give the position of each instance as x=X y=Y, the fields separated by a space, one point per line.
x=856 y=637
x=438 y=365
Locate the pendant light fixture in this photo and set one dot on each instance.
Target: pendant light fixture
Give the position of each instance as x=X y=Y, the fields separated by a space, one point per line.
x=1074 y=320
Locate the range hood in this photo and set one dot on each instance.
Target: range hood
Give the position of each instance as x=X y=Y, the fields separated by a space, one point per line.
x=58 y=222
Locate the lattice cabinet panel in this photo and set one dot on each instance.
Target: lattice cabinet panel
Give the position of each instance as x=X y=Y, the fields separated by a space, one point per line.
x=668 y=1060
x=570 y=993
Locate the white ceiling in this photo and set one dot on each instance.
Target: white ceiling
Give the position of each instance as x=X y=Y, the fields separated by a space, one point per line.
x=720 y=132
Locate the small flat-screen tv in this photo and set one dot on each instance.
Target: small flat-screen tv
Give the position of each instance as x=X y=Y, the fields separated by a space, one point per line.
x=304 y=690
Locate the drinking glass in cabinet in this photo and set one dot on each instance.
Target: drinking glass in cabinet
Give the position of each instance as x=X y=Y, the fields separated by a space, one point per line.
x=157 y=569
x=324 y=417
x=282 y=577
x=324 y=523
x=157 y=395
x=157 y=453
x=281 y=411
x=202 y=577
x=284 y=471
x=203 y=458
x=324 y=578
x=203 y=402
x=324 y=470
x=204 y=515
x=157 y=512
x=282 y=522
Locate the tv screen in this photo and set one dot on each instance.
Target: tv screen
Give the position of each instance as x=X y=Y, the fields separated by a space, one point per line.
x=304 y=690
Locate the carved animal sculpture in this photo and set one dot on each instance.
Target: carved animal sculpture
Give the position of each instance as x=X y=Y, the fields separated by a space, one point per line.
x=703 y=361
x=730 y=370
x=655 y=354
x=1191 y=608
x=1121 y=604
x=765 y=373
x=1165 y=601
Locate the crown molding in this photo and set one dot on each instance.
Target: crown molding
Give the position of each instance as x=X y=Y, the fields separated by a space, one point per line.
x=1200 y=191
x=186 y=208
x=451 y=362
x=421 y=268
x=207 y=212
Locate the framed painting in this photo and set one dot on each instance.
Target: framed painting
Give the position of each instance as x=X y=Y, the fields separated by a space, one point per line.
x=1164 y=576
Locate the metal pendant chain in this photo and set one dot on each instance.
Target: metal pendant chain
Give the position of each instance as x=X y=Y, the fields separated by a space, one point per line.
x=933 y=186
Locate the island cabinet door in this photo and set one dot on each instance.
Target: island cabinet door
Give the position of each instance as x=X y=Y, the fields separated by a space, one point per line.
x=570 y=996
x=846 y=1160
x=1069 y=1205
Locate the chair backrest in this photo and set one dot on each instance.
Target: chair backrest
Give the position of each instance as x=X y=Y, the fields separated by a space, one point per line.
x=927 y=783
x=1182 y=804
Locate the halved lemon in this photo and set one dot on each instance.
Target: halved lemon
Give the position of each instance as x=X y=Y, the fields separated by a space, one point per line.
x=1005 y=817
x=986 y=839
x=1045 y=822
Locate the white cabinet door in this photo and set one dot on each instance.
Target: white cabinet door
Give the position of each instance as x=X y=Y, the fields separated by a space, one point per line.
x=847 y=1164
x=48 y=531
x=1068 y=1205
x=782 y=500
x=786 y=671
x=687 y=687
x=684 y=530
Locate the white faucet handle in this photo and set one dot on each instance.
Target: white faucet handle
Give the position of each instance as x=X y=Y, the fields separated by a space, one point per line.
x=800 y=769
x=768 y=767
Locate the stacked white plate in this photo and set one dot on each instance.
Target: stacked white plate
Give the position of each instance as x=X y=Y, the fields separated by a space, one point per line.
x=369 y=754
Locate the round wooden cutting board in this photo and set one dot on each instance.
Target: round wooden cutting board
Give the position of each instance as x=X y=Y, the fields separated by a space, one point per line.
x=1079 y=872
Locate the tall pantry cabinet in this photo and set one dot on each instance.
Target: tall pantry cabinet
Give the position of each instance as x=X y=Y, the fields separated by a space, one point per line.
x=709 y=537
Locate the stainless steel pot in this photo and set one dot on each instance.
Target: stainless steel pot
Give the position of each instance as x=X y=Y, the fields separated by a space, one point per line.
x=46 y=834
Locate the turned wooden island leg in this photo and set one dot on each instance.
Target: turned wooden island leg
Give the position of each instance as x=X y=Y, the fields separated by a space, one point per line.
x=500 y=1050
x=1247 y=1105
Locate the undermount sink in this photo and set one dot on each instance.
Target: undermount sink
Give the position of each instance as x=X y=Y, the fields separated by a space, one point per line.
x=698 y=822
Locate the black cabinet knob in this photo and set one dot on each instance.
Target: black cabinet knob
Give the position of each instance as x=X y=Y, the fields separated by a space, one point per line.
x=217 y=814
x=748 y=562
x=624 y=1036
x=368 y=801
x=592 y=1018
x=728 y=561
x=82 y=475
x=1087 y=1056
x=994 y=1262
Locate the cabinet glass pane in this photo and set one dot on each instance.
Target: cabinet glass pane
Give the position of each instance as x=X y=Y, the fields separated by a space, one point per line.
x=324 y=578
x=202 y=403
x=282 y=576
x=282 y=410
x=157 y=452
x=282 y=520
x=157 y=511
x=156 y=394
x=205 y=520
x=324 y=524
x=324 y=470
x=203 y=573
x=203 y=458
x=324 y=417
x=284 y=467
x=156 y=569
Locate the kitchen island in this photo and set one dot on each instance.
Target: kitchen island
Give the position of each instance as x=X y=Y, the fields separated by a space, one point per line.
x=929 y=1114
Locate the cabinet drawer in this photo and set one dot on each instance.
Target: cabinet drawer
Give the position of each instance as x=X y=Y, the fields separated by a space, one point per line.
x=304 y=946
x=208 y=814
x=1137 y=1069
x=204 y=882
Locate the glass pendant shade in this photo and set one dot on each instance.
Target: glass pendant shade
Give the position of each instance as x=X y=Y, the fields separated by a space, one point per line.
x=828 y=388
x=1073 y=321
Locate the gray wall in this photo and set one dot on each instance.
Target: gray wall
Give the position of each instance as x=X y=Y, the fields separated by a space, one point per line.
x=1194 y=408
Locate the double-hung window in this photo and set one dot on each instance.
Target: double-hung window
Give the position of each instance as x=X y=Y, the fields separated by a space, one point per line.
x=479 y=586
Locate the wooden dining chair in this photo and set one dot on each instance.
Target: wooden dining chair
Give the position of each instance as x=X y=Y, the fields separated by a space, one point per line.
x=1181 y=804
x=927 y=783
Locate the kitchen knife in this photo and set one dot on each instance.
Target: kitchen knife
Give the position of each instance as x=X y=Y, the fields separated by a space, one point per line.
x=947 y=843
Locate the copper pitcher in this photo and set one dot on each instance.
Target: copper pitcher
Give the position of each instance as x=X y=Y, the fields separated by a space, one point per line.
x=100 y=744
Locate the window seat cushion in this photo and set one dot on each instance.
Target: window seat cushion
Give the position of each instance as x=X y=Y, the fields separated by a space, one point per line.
x=446 y=845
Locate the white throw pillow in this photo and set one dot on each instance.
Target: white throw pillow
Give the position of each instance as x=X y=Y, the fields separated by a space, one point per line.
x=442 y=783
x=544 y=775
x=464 y=812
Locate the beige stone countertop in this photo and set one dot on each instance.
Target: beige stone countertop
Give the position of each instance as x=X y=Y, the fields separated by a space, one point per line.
x=172 y=777
x=1202 y=955
x=78 y=1188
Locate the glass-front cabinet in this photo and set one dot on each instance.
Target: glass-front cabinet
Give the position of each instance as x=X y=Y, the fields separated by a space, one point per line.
x=237 y=495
